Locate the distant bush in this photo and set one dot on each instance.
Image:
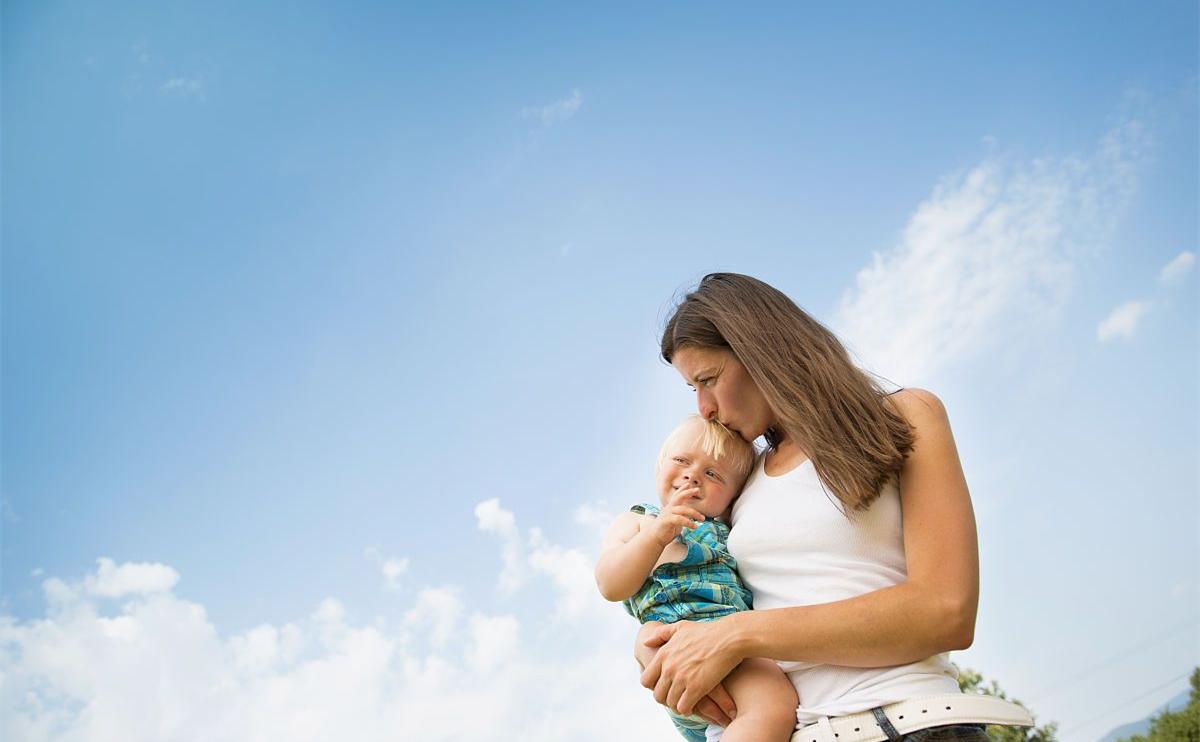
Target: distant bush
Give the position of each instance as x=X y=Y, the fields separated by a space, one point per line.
x=972 y=682
x=1176 y=726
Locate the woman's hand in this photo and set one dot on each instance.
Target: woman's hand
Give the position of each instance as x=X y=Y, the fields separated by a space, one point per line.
x=692 y=658
x=715 y=708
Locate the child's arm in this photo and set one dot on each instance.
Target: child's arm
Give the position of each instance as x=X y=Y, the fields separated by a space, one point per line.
x=627 y=556
x=633 y=545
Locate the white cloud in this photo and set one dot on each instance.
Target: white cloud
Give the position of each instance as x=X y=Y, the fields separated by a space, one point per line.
x=595 y=516
x=491 y=518
x=989 y=251
x=1177 y=269
x=112 y=581
x=569 y=569
x=438 y=610
x=157 y=668
x=1122 y=322
x=557 y=111
x=571 y=572
x=494 y=641
x=391 y=568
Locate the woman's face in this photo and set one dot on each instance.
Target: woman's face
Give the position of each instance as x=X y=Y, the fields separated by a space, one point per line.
x=724 y=390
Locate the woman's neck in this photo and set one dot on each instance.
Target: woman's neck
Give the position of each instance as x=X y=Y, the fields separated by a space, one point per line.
x=788 y=449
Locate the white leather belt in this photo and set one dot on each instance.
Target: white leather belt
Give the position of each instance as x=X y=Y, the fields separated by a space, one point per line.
x=917 y=713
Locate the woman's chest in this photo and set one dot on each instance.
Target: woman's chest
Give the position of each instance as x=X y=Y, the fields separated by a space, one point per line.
x=794 y=516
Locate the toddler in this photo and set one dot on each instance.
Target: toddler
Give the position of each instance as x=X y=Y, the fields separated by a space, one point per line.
x=670 y=563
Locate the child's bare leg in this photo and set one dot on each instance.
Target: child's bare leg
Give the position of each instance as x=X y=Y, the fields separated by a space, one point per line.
x=766 y=702
x=692 y=728
x=643 y=653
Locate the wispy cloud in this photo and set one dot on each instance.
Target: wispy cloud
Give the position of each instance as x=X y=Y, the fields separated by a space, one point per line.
x=990 y=250
x=443 y=671
x=1122 y=322
x=185 y=87
x=1175 y=271
x=570 y=570
x=594 y=515
x=391 y=568
x=555 y=112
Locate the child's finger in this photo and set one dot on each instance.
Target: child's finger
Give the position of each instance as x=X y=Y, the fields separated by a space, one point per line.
x=684 y=522
x=687 y=512
x=683 y=494
x=674 y=523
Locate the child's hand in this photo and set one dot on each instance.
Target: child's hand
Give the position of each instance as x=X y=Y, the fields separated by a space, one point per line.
x=676 y=515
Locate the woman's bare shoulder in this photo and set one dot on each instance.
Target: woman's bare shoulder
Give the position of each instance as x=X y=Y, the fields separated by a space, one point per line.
x=920 y=407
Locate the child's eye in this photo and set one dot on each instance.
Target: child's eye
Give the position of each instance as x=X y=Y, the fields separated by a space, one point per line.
x=680 y=460
x=713 y=474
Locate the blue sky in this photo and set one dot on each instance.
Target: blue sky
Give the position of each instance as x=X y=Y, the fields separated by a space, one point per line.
x=343 y=319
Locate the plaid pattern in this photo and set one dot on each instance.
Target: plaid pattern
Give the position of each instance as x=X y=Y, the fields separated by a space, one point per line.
x=704 y=586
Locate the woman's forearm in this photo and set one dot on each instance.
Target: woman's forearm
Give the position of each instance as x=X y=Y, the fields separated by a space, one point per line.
x=892 y=626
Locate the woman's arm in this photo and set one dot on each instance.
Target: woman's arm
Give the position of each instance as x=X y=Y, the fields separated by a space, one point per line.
x=933 y=611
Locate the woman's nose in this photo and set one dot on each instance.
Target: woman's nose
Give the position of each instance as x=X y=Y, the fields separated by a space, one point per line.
x=705 y=405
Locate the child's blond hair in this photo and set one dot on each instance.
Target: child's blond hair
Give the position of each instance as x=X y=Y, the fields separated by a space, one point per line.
x=717 y=441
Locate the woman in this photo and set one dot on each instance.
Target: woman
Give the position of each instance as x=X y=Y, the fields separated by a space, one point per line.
x=859 y=605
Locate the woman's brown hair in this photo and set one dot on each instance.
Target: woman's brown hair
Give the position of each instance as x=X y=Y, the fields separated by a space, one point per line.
x=833 y=409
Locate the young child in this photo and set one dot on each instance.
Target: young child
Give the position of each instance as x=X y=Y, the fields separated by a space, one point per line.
x=671 y=563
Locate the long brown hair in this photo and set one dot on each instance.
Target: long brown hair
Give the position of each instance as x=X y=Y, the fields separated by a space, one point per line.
x=833 y=409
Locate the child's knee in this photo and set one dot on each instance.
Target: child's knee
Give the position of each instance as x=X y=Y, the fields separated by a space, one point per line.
x=773 y=720
x=774 y=696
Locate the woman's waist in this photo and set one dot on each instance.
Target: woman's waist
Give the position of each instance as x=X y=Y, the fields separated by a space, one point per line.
x=834 y=690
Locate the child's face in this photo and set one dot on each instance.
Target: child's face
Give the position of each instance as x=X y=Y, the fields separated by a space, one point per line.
x=685 y=463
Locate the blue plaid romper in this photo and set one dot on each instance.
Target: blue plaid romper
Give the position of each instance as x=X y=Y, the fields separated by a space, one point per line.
x=703 y=587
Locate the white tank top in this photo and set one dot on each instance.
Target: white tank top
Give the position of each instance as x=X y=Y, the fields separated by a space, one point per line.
x=794 y=547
